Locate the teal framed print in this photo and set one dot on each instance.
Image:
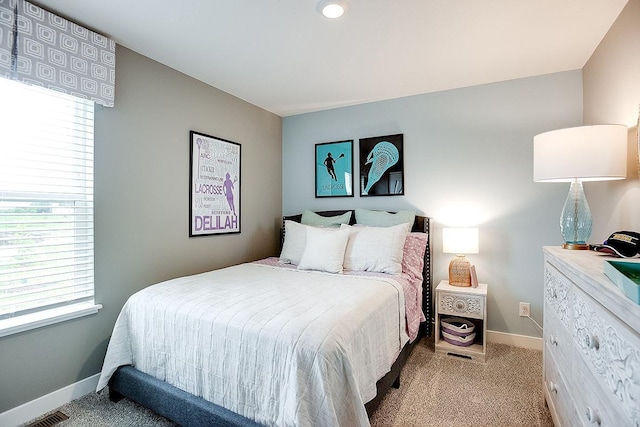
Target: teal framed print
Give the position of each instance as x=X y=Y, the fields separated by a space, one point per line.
x=334 y=169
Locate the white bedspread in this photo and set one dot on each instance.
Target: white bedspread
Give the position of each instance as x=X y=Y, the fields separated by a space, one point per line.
x=279 y=346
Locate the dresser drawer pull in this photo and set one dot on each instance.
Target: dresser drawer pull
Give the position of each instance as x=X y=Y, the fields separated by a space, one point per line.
x=553 y=340
x=553 y=388
x=592 y=416
x=591 y=341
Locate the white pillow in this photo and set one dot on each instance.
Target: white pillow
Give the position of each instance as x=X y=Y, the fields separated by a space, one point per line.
x=295 y=238
x=324 y=250
x=378 y=249
x=312 y=218
x=384 y=219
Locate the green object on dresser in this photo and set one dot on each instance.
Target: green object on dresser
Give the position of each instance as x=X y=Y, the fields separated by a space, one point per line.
x=626 y=275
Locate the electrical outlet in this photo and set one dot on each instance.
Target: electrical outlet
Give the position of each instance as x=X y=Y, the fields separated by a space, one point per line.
x=525 y=309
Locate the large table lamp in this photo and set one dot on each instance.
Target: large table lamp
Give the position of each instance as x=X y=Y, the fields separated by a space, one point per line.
x=575 y=155
x=460 y=241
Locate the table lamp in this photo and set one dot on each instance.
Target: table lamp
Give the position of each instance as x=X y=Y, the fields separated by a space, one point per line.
x=460 y=241
x=586 y=153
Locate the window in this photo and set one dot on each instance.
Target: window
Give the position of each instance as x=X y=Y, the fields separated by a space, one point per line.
x=46 y=207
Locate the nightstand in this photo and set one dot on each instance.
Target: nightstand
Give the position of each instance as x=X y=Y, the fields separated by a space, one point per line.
x=468 y=303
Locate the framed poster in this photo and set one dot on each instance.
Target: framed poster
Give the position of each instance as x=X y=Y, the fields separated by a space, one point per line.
x=334 y=169
x=214 y=185
x=381 y=166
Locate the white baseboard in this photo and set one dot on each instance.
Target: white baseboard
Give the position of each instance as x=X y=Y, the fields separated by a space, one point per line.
x=515 y=340
x=30 y=410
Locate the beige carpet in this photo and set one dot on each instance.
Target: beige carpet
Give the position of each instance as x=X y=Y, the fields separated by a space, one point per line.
x=442 y=390
x=435 y=390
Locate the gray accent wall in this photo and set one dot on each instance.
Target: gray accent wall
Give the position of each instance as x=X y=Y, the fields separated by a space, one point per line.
x=142 y=210
x=467 y=161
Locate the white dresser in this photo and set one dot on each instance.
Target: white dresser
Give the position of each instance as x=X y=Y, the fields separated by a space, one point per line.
x=592 y=343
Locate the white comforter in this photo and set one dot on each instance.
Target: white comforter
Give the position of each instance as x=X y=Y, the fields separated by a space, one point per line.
x=279 y=346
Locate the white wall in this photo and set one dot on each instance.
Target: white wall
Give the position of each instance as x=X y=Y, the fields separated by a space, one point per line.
x=468 y=161
x=612 y=95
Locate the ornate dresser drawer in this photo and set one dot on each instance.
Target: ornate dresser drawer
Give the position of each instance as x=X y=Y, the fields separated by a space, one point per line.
x=557 y=294
x=461 y=305
x=592 y=343
x=611 y=352
x=558 y=343
x=558 y=304
x=557 y=390
x=592 y=405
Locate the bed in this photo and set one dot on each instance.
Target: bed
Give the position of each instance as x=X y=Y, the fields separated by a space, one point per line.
x=278 y=342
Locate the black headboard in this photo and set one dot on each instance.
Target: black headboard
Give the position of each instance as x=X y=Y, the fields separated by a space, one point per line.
x=422 y=224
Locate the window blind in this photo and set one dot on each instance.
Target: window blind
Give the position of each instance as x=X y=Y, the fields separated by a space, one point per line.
x=46 y=199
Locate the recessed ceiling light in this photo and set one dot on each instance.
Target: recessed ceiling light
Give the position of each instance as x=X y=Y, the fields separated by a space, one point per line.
x=332 y=8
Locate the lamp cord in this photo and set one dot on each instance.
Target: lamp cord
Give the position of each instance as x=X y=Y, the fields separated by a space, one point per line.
x=536 y=323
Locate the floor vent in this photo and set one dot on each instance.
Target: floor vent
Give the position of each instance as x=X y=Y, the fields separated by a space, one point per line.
x=50 y=420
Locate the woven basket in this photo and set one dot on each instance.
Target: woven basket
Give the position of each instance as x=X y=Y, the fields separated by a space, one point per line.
x=457 y=331
x=459 y=341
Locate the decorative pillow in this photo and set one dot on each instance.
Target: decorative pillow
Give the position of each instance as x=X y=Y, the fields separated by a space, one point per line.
x=376 y=249
x=384 y=219
x=413 y=254
x=312 y=218
x=324 y=250
x=295 y=238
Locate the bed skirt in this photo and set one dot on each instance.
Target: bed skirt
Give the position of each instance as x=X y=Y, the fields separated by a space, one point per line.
x=171 y=402
x=192 y=411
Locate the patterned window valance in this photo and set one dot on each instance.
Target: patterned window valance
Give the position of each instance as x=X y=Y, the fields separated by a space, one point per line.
x=40 y=48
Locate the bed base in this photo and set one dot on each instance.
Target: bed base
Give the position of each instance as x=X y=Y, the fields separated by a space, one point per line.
x=391 y=379
x=164 y=399
x=191 y=411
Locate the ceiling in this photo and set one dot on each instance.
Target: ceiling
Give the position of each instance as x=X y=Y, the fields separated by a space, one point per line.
x=283 y=56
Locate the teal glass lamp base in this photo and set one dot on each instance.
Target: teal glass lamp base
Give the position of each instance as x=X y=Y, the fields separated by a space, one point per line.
x=575 y=221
